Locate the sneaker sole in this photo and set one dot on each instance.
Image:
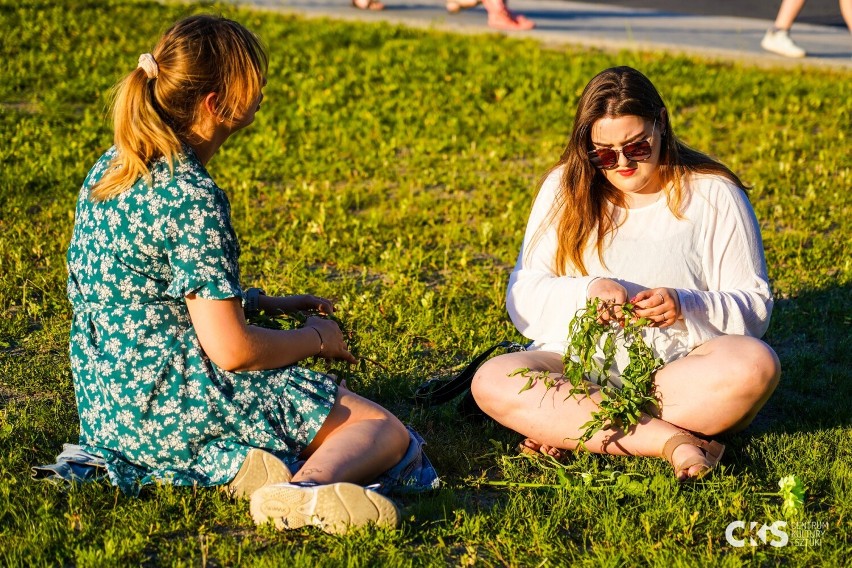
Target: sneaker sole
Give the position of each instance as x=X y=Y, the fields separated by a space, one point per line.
x=334 y=508
x=782 y=52
x=259 y=469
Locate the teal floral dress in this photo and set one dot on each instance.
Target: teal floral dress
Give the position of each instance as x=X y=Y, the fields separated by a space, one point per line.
x=150 y=402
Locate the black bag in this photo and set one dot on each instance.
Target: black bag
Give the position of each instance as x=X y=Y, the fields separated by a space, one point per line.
x=439 y=390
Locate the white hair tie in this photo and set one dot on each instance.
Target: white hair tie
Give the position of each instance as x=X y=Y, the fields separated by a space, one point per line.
x=148 y=64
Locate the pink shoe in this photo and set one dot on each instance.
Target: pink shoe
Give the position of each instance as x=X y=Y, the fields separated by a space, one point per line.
x=510 y=22
x=501 y=18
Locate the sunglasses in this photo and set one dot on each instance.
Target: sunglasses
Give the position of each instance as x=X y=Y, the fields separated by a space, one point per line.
x=607 y=158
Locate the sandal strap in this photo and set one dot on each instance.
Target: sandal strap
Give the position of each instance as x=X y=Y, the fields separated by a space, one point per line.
x=712 y=451
x=678 y=440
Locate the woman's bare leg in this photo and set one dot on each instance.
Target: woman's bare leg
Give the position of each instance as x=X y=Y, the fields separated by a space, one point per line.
x=552 y=417
x=736 y=375
x=846 y=11
x=787 y=13
x=719 y=387
x=358 y=441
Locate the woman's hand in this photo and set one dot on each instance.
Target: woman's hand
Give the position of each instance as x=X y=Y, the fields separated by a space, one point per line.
x=612 y=295
x=333 y=346
x=296 y=303
x=660 y=305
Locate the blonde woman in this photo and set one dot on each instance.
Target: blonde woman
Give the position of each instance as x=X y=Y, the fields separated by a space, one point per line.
x=629 y=213
x=171 y=383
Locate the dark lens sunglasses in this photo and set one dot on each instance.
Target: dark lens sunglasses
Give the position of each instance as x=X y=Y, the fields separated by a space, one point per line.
x=639 y=151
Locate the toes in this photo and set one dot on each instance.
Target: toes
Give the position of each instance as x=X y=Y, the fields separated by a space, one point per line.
x=698 y=471
x=551 y=451
x=530 y=446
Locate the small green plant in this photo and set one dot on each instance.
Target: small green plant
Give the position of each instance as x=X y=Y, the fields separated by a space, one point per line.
x=617 y=482
x=792 y=493
x=619 y=407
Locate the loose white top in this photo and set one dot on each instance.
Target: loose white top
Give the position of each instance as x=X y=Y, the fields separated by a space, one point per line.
x=713 y=257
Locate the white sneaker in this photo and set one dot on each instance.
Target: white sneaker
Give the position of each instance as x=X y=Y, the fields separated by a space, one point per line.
x=780 y=42
x=333 y=508
x=260 y=468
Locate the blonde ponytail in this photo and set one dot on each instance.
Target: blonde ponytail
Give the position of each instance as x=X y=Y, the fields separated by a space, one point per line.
x=141 y=137
x=156 y=106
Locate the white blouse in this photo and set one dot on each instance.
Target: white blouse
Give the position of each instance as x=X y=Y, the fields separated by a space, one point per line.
x=713 y=257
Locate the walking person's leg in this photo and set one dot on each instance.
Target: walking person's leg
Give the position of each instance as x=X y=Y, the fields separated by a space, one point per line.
x=787 y=14
x=846 y=12
x=777 y=39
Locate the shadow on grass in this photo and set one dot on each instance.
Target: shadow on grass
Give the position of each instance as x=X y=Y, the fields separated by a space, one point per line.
x=810 y=333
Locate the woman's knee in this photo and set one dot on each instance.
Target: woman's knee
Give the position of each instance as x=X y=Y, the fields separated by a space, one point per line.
x=495 y=388
x=394 y=429
x=350 y=408
x=486 y=386
x=759 y=367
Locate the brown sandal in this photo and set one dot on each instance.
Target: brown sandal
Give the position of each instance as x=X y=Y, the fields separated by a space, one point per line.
x=712 y=454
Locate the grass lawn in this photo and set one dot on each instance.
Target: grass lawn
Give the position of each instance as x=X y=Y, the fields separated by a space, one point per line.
x=392 y=170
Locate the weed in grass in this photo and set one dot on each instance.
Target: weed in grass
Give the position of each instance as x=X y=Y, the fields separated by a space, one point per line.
x=592 y=347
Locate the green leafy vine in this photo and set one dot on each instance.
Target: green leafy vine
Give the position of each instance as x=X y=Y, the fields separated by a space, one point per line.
x=619 y=407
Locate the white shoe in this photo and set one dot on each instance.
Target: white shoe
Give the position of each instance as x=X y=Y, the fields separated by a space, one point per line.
x=259 y=469
x=780 y=42
x=333 y=508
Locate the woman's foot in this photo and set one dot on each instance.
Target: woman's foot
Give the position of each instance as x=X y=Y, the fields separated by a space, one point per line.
x=455 y=6
x=530 y=446
x=368 y=5
x=501 y=18
x=691 y=457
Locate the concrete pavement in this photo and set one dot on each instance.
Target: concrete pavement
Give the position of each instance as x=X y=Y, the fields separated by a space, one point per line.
x=605 y=27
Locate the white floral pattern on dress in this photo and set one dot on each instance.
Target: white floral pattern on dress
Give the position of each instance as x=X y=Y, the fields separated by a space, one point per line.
x=150 y=402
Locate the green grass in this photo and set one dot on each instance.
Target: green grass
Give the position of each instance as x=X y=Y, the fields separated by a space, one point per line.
x=393 y=169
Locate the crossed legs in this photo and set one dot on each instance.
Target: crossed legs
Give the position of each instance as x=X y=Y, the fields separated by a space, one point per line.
x=719 y=387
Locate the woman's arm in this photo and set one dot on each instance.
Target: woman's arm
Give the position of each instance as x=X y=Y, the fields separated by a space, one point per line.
x=235 y=346
x=295 y=303
x=540 y=303
x=739 y=300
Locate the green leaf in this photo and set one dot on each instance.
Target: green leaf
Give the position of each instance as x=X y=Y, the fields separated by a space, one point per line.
x=793 y=495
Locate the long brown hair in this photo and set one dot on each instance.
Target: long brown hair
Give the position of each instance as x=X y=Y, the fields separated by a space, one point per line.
x=583 y=208
x=152 y=117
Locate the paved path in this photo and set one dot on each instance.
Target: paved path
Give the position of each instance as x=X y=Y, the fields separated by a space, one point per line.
x=605 y=26
x=825 y=12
